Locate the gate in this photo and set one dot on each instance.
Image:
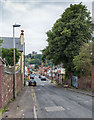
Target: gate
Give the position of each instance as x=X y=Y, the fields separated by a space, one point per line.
x=74 y=81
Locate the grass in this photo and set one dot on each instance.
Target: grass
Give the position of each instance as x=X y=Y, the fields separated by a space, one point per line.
x=51 y=81
x=3 y=110
x=12 y=100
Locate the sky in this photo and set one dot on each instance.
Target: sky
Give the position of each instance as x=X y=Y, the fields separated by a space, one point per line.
x=36 y=17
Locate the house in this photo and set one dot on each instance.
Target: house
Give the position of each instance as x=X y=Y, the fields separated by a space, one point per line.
x=20 y=45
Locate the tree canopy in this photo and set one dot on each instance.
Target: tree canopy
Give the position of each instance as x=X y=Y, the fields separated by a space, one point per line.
x=83 y=61
x=67 y=35
x=8 y=55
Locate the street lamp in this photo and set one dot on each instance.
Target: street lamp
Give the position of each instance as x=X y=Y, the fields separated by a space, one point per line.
x=14 y=80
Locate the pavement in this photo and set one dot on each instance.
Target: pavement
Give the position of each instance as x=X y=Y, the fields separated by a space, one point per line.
x=21 y=107
x=82 y=91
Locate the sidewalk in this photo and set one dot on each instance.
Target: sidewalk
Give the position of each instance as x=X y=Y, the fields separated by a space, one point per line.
x=81 y=91
x=90 y=93
x=21 y=107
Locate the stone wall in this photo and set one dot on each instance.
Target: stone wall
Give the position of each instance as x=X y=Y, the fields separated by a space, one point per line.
x=7 y=85
x=7 y=88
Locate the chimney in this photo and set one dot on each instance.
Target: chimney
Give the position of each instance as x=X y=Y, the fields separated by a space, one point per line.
x=22 y=37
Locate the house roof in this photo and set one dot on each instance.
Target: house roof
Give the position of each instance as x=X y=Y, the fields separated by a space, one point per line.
x=8 y=43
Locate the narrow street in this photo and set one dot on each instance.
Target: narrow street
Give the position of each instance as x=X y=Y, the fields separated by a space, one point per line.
x=48 y=101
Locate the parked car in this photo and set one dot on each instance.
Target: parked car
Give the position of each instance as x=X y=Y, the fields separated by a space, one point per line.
x=43 y=78
x=39 y=76
x=32 y=82
x=32 y=76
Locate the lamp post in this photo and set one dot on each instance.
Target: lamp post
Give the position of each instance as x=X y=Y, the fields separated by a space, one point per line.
x=14 y=79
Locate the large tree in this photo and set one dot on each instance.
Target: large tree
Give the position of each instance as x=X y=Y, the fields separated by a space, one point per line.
x=8 y=55
x=67 y=35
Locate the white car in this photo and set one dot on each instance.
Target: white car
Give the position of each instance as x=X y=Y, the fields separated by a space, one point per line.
x=43 y=78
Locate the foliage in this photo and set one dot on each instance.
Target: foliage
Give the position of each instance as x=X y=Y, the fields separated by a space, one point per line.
x=83 y=61
x=0 y=47
x=67 y=35
x=8 y=55
x=35 y=59
x=36 y=66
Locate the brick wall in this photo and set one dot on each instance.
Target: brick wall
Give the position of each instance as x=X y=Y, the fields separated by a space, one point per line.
x=84 y=82
x=19 y=81
x=67 y=81
x=8 y=86
x=92 y=78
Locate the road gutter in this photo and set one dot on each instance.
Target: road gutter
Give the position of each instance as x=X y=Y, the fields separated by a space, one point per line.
x=34 y=103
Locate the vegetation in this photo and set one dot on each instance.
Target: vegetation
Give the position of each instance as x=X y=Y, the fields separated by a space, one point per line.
x=1 y=47
x=67 y=35
x=35 y=59
x=8 y=55
x=83 y=61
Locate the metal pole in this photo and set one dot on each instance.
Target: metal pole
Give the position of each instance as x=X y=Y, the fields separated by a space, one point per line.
x=14 y=82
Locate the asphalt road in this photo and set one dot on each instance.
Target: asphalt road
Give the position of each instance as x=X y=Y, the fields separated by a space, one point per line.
x=55 y=102
x=48 y=101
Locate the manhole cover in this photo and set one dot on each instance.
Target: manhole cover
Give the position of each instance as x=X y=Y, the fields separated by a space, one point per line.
x=54 y=108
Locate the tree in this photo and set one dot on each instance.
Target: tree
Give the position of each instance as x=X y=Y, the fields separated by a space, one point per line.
x=35 y=61
x=67 y=35
x=8 y=55
x=36 y=66
x=83 y=61
x=1 y=47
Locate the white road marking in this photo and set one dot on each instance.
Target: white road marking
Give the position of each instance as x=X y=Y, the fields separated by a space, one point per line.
x=35 y=113
x=42 y=84
x=34 y=100
x=54 y=108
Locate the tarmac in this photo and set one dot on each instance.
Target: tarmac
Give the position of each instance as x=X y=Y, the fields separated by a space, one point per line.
x=17 y=109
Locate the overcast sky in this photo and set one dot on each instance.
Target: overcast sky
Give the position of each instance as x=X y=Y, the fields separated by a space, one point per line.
x=36 y=18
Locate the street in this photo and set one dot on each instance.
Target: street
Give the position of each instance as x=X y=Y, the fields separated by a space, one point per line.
x=49 y=101
x=54 y=102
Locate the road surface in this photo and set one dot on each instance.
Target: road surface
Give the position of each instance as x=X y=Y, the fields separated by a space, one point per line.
x=55 y=102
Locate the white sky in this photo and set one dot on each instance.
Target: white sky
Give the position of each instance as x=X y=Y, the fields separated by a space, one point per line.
x=36 y=18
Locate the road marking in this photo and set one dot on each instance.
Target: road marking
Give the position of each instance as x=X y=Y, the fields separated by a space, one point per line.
x=34 y=103
x=54 y=108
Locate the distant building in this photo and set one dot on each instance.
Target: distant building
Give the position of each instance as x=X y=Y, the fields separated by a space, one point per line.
x=34 y=53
